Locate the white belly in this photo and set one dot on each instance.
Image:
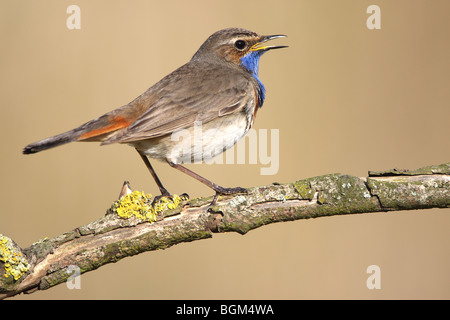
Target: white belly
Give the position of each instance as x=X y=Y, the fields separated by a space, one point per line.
x=199 y=143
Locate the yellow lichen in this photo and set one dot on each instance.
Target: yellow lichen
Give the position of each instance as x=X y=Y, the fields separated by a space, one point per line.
x=135 y=204
x=166 y=203
x=14 y=262
x=138 y=204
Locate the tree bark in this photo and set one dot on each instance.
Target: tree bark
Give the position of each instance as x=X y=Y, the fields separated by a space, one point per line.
x=111 y=238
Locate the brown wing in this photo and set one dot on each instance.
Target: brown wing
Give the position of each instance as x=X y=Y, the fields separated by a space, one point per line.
x=195 y=92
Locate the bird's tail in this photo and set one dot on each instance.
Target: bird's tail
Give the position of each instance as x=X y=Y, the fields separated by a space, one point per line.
x=52 y=142
x=94 y=130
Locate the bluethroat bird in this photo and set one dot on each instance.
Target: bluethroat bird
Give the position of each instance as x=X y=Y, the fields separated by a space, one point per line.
x=218 y=88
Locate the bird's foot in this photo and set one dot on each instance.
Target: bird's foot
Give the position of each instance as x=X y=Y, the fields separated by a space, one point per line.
x=221 y=191
x=161 y=202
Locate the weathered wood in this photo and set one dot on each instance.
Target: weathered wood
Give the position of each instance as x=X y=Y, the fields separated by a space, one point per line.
x=112 y=237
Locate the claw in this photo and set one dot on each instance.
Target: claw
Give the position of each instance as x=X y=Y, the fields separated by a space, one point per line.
x=221 y=190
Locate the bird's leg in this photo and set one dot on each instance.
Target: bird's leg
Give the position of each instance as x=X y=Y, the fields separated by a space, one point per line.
x=164 y=192
x=218 y=189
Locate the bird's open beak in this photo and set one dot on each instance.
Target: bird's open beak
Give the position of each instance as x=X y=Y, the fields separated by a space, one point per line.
x=264 y=39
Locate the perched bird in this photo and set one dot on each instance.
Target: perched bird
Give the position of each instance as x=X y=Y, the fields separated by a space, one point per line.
x=218 y=90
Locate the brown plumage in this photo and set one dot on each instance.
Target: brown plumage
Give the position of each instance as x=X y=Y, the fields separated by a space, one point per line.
x=218 y=88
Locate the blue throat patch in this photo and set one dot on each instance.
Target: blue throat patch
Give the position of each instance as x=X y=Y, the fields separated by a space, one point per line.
x=251 y=63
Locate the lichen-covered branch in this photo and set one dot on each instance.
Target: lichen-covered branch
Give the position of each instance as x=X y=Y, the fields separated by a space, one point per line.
x=129 y=226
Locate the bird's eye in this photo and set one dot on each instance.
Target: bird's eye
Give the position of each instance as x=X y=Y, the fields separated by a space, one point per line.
x=240 y=44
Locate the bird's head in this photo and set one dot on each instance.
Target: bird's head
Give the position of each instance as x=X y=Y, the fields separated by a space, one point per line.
x=238 y=46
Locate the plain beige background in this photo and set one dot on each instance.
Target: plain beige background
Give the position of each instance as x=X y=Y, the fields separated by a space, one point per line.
x=344 y=98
